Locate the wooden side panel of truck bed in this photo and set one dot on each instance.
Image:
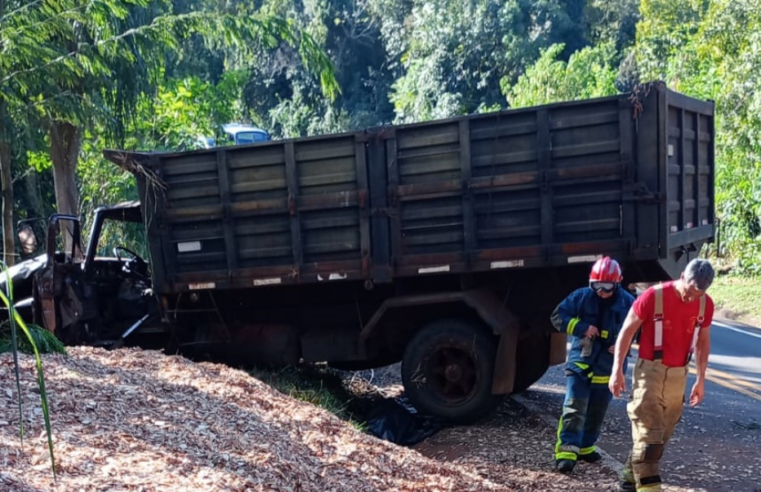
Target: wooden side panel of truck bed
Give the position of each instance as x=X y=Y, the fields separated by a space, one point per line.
x=629 y=176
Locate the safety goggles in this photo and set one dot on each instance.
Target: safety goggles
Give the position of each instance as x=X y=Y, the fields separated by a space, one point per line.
x=603 y=286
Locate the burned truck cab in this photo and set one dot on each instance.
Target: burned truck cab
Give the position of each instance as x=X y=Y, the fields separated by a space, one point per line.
x=101 y=295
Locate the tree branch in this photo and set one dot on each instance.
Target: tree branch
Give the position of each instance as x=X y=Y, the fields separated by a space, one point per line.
x=48 y=20
x=157 y=22
x=43 y=102
x=23 y=7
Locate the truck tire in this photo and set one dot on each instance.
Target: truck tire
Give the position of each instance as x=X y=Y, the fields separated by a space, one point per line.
x=447 y=371
x=532 y=362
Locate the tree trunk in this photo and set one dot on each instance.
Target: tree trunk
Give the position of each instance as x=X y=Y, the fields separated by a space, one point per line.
x=9 y=244
x=34 y=197
x=37 y=206
x=65 y=141
x=6 y=178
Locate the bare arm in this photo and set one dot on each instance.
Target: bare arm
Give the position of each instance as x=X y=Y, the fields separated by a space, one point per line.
x=624 y=341
x=632 y=323
x=702 y=349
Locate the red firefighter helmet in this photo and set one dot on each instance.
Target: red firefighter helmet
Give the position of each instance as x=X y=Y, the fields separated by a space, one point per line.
x=605 y=271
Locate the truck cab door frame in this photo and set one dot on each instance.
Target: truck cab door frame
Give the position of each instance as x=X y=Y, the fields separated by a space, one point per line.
x=57 y=306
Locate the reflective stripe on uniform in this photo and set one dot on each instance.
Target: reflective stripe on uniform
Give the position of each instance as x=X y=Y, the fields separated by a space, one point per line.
x=572 y=325
x=586 y=451
x=600 y=379
x=566 y=455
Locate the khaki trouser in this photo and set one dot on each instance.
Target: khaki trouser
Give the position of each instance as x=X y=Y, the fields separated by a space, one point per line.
x=655 y=407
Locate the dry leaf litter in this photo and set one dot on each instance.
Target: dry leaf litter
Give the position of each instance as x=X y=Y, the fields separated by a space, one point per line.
x=515 y=446
x=132 y=420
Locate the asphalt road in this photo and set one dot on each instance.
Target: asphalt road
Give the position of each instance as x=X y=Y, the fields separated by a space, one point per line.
x=717 y=445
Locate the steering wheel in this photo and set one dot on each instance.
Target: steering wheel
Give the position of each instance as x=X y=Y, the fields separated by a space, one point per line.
x=136 y=264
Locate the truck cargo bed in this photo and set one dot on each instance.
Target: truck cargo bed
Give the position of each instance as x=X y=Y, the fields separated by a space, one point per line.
x=629 y=176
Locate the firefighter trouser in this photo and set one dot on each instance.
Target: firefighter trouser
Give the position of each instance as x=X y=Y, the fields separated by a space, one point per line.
x=584 y=408
x=655 y=407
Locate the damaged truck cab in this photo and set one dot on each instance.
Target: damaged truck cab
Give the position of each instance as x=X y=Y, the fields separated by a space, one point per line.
x=85 y=298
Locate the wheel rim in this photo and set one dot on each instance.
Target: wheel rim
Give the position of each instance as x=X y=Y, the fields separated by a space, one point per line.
x=451 y=372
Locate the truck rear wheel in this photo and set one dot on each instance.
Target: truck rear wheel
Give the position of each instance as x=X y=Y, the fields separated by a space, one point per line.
x=447 y=371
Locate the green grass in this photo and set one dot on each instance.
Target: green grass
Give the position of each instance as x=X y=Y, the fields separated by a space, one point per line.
x=315 y=385
x=738 y=298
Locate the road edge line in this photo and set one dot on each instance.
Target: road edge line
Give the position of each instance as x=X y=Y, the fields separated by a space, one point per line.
x=607 y=459
x=733 y=323
x=750 y=331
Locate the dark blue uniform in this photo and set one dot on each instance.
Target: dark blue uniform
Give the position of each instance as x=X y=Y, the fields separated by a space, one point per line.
x=587 y=395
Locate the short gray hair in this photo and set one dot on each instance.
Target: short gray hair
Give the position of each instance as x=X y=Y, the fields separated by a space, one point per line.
x=700 y=273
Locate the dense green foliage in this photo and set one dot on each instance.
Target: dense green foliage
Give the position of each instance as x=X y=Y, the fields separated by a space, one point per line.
x=45 y=341
x=588 y=73
x=156 y=74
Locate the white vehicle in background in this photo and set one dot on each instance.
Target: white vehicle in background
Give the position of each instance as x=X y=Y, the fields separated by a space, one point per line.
x=236 y=134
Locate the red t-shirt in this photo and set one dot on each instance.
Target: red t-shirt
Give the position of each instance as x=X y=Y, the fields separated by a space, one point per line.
x=679 y=319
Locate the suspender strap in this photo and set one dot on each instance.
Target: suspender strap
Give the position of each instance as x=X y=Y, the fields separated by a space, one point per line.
x=698 y=326
x=658 y=320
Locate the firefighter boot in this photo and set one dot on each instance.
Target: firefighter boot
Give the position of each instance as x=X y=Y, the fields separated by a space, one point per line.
x=565 y=466
x=592 y=457
x=628 y=483
x=625 y=486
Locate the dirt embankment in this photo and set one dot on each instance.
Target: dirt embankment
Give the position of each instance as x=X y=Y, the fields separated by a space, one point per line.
x=132 y=420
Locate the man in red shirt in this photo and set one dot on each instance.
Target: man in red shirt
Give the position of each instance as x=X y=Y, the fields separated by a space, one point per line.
x=675 y=318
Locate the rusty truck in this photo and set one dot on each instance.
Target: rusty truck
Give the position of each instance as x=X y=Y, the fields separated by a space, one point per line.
x=444 y=245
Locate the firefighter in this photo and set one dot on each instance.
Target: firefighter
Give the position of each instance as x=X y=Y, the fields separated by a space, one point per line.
x=592 y=316
x=675 y=318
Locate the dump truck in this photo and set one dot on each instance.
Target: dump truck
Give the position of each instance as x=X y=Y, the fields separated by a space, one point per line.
x=443 y=245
